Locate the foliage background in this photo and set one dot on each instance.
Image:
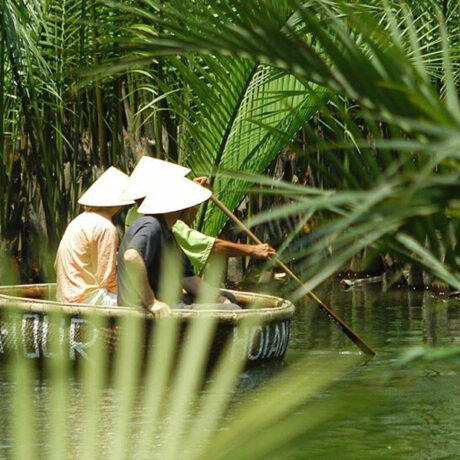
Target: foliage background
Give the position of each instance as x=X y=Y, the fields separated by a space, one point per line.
x=360 y=98
x=371 y=88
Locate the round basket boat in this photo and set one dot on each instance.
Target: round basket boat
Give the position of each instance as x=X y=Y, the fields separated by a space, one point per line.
x=260 y=331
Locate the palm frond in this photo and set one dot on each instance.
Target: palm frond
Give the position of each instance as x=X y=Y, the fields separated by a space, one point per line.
x=234 y=113
x=396 y=69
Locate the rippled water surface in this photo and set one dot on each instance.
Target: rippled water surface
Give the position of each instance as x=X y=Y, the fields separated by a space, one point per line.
x=394 y=411
x=377 y=408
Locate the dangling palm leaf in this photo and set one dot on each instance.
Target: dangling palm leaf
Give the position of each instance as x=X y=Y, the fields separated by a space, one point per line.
x=274 y=109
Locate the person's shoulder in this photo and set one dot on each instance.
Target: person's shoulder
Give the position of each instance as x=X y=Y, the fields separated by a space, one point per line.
x=149 y=223
x=101 y=220
x=181 y=230
x=81 y=218
x=185 y=232
x=98 y=224
x=86 y=221
x=181 y=226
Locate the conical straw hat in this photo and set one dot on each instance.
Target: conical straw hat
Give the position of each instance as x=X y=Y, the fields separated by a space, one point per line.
x=173 y=194
x=108 y=190
x=150 y=169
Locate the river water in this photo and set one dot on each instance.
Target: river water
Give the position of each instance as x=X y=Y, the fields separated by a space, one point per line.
x=378 y=408
x=394 y=411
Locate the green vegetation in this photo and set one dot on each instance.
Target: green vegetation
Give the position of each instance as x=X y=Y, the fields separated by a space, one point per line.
x=384 y=151
x=224 y=88
x=361 y=95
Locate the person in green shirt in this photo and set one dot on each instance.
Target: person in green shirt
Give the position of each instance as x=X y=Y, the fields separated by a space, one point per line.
x=197 y=246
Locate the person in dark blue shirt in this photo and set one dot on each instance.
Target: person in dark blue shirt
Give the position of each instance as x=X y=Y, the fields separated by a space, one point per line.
x=145 y=244
x=149 y=240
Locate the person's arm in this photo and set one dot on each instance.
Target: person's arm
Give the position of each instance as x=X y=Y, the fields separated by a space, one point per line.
x=229 y=249
x=193 y=285
x=137 y=271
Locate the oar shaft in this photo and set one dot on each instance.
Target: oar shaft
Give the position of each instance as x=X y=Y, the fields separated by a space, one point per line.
x=337 y=320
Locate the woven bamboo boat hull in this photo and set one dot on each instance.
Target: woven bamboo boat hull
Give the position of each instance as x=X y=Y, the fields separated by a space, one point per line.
x=33 y=326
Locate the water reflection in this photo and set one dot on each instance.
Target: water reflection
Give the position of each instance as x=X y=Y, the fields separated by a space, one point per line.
x=399 y=317
x=413 y=412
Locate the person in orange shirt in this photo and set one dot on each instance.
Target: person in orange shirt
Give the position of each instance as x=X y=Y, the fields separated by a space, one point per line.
x=86 y=270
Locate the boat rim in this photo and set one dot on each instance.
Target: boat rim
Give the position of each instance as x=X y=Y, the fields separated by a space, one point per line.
x=282 y=309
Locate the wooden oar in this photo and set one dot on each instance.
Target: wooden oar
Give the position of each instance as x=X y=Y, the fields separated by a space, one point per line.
x=338 y=321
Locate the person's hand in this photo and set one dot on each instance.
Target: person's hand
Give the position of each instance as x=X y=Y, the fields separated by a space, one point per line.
x=263 y=251
x=203 y=181
x=223 y=299
x=160 y=309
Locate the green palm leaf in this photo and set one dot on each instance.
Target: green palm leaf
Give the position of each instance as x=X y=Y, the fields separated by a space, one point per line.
x=273 y=110
x=239 y=124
